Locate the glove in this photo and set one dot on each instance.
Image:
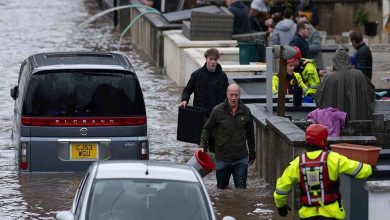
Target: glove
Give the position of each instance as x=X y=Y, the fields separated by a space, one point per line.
x=283 y=211
x=252 y=157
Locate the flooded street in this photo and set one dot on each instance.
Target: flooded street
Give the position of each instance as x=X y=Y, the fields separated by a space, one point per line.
x=34 y=26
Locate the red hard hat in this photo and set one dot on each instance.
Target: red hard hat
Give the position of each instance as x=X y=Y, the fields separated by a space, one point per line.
x=317 y=135
x=297 y=56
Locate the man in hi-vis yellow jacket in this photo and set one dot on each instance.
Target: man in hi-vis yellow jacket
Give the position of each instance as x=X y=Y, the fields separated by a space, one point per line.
x=317 y=173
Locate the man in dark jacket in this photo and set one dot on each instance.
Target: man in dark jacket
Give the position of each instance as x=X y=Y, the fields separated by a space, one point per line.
x=346 y=89
x=208 y=83
x=241 y=16
x=299 y=38
x=232 y=127
x=363 y=56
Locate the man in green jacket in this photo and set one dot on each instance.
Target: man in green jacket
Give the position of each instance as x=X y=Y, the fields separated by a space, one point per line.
x=231 y=124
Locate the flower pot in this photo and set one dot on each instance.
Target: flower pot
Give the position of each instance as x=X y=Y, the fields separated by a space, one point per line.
x=363 y=153
x=370 y=28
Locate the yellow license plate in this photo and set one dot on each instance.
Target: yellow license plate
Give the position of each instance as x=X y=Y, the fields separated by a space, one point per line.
x=83 y=151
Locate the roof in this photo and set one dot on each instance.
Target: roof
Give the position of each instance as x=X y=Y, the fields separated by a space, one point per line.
x=83 y=60
x=137 y=169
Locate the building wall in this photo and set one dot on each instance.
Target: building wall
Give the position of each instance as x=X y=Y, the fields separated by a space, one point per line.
x=338 y=16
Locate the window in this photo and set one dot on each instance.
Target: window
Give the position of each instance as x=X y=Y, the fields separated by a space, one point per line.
x=147 y=199
x=89 y=93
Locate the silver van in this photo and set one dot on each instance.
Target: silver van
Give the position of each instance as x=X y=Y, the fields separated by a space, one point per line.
x=74 y=108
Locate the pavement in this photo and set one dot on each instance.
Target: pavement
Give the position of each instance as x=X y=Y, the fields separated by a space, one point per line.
x=381 y=65
x=380 y=55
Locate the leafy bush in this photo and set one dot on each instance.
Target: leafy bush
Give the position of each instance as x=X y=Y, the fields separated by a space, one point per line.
x=361 y=17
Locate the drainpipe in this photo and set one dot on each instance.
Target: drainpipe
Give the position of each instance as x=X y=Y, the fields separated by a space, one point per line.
x=162 y=6
x=385 y=17
x=268 y=81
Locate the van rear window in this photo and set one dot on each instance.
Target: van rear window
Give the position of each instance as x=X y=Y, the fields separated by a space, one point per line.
x=87 y=93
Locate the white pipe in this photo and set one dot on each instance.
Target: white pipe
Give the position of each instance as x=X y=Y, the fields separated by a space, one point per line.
x=162 y=6
x=268 y=82
x=385 y=16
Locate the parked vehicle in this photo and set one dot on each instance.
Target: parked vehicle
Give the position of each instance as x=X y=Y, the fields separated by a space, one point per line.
x=141 y=190
x=74 y=108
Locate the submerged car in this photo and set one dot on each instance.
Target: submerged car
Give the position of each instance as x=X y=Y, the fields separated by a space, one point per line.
x=73 y=108
x=141 y=190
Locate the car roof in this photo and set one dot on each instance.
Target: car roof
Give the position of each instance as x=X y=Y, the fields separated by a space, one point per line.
x=145 y=169
x=81 y=60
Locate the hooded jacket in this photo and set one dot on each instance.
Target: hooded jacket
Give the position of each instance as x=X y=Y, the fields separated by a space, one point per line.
x=292 y=81
x=308 y=70
x=283 y=32
x=200 y=82
x=346 y=89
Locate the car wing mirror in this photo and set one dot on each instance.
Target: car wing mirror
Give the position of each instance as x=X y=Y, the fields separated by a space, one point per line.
x=14 y=92
x=64 y=215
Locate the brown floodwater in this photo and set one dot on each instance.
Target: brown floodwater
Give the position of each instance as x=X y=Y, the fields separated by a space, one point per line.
x=34 y=26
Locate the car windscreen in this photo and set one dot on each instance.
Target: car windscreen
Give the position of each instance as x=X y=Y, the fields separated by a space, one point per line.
x=147 y=199
x=83 y=93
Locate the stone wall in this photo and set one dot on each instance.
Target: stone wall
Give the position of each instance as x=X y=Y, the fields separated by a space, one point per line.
x=337 y=16
x=147 y=33
x=378 y=127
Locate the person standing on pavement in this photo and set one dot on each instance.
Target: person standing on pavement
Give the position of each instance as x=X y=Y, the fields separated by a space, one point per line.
x=346 y=89
x=284 y=29
x=241 y=23
x=363 y=56
x=209 y=84
x=299 y=38
x=314 y=40
x=317 y=173
x=231 y=124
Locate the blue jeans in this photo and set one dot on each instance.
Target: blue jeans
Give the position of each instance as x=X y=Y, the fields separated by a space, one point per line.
x=225 y=169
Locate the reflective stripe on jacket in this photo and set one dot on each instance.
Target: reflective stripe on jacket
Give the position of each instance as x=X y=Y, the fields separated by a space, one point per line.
x=337 y=164
x=294 y=82
x=316 y=187
x=310 y=77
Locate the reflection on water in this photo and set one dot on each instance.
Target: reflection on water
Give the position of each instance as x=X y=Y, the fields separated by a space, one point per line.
x=45 y=26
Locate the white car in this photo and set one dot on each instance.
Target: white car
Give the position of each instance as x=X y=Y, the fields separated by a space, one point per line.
x=141 y=190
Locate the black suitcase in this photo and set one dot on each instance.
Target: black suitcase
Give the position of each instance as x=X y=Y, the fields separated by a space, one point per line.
x=190 y=124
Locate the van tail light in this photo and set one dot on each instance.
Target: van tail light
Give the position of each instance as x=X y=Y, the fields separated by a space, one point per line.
x=23 y=156
x=144 y=151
